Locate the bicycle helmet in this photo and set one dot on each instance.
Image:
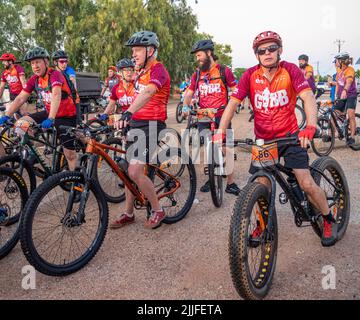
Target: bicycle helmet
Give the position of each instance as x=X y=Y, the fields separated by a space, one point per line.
x=266 y=36
x=125 y=63
x=304 y=57
x=59 y=54
x=8 y=57
x=36 y=53
x=342 y=56
x=203 y=45
x=144 y=39
x=113 y=68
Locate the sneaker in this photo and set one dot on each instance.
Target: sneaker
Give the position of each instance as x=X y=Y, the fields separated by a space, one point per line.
x=350 y=142
x=206 y=187
x=233 y=189
x=122 y=221
x=329 y=236
x=155 y=219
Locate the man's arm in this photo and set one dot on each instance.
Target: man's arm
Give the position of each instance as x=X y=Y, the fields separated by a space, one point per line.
x=2 y=88
x=143 y=98
x=348 y=84
x=228 y=115
x=23 y=81
x=17 y=103
x=73 y=80
x=55 y=101
x=310 y=107
x=111 y=107
x=188 y=97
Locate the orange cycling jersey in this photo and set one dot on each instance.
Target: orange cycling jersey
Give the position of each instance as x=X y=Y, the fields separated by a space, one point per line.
x=124 y=97
x=211 y=90
x=273 y=102
x=309 y=69
x=12 y=78
x=156 y=108
x=341 y=77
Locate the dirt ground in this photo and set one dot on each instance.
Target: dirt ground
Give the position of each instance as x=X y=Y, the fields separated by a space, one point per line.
x=189 y=260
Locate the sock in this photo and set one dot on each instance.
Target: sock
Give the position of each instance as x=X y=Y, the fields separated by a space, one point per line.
x=329 y=218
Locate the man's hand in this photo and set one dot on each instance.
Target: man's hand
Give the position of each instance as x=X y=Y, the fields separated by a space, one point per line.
x=343 y=95
x=4 y=119
x=124 y=121
x=104 y=117
x=306 y=136
x=48 y=123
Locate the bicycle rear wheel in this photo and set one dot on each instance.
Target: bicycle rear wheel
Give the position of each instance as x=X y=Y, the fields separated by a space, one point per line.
x=324 y=140
x=356 y=146
x=179 y=116
x=62 y=231
x=216 y=176
x=170 y=170
x=252 y=246
x=13 y=197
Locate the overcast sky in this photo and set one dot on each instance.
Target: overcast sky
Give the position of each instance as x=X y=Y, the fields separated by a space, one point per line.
x=306 y=26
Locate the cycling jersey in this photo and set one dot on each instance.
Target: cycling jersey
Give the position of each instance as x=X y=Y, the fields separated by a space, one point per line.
x=12 y=78
x=273 y=102
x=311 y=80
x=341 y=77
x=43 y=87
x=124 y=97
x=112 y=82
x=211 y=89
x=156 y=108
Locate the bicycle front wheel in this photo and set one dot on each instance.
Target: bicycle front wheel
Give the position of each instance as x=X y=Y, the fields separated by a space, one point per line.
x=179 y=115
x=215 y=176
x=62 y=231
x=252 y=243
x=324 y=140
x=356 y=146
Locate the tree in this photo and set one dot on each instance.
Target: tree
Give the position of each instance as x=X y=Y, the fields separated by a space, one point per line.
x=357 y=74
x=238 y=72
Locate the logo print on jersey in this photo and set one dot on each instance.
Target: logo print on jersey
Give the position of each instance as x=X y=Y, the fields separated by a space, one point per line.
x=211 y=88
x=266 y=100
x=11 y=79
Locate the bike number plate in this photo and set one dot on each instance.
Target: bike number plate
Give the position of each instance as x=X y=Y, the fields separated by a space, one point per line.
x=265 y=156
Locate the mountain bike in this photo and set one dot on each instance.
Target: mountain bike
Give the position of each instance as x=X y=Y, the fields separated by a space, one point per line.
x=13 y=196
x=253 y=257
x=62 y=231
x=330 y=122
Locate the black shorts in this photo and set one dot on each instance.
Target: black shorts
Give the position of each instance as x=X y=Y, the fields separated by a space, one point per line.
x=67 y=141
x=295 y=158
x=142 y=140
x=13 y=96
x=207 y=126
x=349 y=103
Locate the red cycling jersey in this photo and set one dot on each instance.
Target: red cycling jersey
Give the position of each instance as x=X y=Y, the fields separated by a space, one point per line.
x=156 y=108
x=124 y=97
x=43 y=87
x=12 y=78
x=273 y=102
x=211 y=90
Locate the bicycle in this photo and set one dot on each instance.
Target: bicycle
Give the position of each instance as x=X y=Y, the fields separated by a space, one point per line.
x=80 y=217
x=13 y=196
x=253 y=259
x=215 y=166
x=329 y=123
x=7 y=136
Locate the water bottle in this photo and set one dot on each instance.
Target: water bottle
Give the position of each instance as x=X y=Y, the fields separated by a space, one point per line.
x=122 y=163
x=294 y=186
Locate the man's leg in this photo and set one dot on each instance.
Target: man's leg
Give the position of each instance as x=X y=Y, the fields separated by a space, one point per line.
x=352 y=121
x=71 y=157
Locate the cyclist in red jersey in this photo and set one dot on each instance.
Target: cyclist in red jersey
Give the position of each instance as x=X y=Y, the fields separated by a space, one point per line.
x=52 y=89
x=149 y=110
x=111 y=81
x=273 y=87
x=212 y=93
x=123 y=94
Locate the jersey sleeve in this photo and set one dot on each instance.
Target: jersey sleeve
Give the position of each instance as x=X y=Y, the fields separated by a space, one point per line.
x=242 y=89
x=56 y=79
x=20 y=70
x=350 y=73
x=230 y=78
x=30 y=85
x=159 y=76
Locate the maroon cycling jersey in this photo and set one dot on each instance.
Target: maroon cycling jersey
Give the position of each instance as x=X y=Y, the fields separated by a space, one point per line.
x=12 y=78
x=123 y=97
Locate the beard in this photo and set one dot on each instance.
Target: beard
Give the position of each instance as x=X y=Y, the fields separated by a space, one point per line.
x=303 y=66
x=206 y=65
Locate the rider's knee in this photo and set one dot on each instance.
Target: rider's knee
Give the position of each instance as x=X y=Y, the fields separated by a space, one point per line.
x=135 y=172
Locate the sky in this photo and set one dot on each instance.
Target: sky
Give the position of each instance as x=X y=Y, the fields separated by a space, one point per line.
x=307 y=27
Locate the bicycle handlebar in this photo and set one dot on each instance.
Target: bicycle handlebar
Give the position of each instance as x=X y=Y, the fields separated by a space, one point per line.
x=260 y=142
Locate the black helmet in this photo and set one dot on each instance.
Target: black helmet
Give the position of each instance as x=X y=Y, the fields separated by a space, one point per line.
x=59 y=54
x=36 y=53
x=125 y=63
x=304 y=57
x=144 y=39
x=203 y=45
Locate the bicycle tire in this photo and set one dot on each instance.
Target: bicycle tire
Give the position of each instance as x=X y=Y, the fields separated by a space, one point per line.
x=16 y=159
x=356 y=146
x=179 y=116
x=192 y=181
x=216 y=181
x=27 y=243
x=302 y=120
x=324 y=123
x=246 y=287
x=6 y=247
x=339 y=178
x=118 y=198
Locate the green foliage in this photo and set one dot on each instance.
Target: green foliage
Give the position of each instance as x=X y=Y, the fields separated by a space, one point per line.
x=238 y=72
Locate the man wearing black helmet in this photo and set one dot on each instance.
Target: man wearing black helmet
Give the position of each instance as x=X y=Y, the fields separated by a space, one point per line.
x=308 y=71
x=147 y=113
x=346 y=91
x=61 y=60
x=52 y=89
x=211 y=82
x=123 y=94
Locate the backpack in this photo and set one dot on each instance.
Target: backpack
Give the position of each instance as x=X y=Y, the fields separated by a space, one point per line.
x=222 y=77
x=64 y=94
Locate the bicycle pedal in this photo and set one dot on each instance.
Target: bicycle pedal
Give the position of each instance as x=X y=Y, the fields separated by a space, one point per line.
x=206 y=171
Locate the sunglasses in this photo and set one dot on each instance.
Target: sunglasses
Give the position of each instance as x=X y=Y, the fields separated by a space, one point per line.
x=271 y=49
x=63 y=61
